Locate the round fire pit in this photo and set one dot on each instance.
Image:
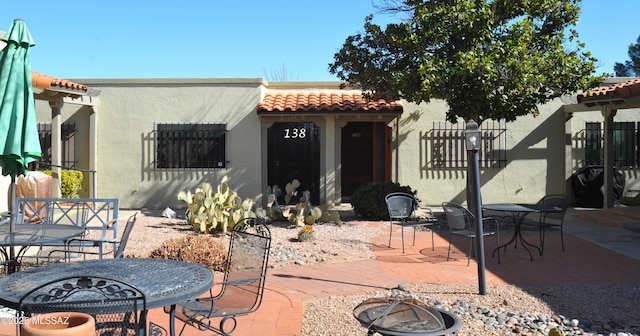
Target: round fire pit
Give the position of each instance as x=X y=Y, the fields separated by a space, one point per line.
x=404 y=317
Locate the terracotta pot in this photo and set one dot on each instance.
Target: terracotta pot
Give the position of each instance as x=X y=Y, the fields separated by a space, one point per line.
x=59 y=324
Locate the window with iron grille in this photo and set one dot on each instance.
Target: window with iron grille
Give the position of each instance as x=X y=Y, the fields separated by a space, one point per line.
x=190 y=146
x=67 y=138
x=625 y=144
x=449 y=151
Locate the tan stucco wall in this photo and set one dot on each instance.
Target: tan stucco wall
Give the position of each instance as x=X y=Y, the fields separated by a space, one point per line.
x=535 y=146
x=127 y=114
x=529 y=174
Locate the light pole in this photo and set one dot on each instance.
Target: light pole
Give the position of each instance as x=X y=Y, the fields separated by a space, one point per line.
x=473 y=142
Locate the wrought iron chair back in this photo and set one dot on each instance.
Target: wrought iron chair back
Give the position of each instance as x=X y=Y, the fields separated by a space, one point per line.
x=401 y=206
x=461 y=222
x=242 y=288
x=402 y=211
x=554 y=218
x=118 y=308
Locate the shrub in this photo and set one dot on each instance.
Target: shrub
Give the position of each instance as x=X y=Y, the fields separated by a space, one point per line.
x=368 y=200
x=200 y=249
x=70 y=182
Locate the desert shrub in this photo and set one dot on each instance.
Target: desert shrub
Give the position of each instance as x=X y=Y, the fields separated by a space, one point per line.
x=368 y=200
x=70 y=182
x=201 y=249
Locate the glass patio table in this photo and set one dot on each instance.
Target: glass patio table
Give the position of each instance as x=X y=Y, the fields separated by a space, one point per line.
x=28 y=235
x=518 y=212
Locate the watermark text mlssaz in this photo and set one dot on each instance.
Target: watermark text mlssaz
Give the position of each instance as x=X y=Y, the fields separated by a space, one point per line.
x=36 y=319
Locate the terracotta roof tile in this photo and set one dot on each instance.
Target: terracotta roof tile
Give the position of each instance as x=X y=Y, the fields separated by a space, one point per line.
x=324 y=101
x=49 y=82
x=617 y=91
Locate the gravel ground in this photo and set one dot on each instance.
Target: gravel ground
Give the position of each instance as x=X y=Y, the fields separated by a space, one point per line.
x=612 y=309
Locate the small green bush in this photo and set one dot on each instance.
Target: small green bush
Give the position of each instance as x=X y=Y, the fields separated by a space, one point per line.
x=368 y=200
x=198 y=249
x=70 y=182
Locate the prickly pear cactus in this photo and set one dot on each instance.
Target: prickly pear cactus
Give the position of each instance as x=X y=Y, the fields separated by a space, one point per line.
x=303 y=213
x=291 y=191
x=220 y=211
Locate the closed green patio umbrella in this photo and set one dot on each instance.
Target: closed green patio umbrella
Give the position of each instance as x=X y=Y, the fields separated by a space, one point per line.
x=19 y=142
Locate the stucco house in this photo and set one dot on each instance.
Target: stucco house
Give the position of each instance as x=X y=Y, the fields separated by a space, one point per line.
x=144 y=140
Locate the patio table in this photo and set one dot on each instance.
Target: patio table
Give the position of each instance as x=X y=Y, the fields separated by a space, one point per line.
x=163 y=282
x=518 y=212
x=27 y=235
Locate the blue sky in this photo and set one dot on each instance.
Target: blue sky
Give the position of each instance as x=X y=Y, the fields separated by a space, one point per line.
x=243 y=39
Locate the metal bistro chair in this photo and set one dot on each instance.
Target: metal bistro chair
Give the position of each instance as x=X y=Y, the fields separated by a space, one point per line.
x=402 y=211
x=461 y=222
x=82 y=246
x=118 y=308
x=552 y=219
x=240 y=291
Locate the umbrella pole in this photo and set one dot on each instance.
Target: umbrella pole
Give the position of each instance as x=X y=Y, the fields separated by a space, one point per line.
x=12 y=203
x=12 y=221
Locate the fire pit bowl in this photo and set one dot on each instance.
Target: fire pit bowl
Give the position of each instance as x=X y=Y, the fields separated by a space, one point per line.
x=404 y=317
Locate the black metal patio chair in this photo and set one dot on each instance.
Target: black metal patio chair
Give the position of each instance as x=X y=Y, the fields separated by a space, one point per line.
x=552 y=219
x=241 y=290
x=118 y=308
x=461 y=222
x=402 y=211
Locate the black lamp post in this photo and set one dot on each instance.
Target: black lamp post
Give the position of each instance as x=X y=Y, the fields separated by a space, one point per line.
x=473 y=142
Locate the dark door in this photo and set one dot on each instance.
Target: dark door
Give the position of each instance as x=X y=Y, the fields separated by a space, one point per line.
x=366 y=155
x=293 y=152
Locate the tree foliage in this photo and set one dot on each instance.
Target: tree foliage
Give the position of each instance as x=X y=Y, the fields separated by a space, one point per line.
x=630 y=68
x=488 y=59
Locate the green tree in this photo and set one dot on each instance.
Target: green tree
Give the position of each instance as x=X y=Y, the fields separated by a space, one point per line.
x=630 y=68
x=488 y=59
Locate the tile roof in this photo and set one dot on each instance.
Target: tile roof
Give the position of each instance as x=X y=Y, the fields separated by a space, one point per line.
x=619 y=91
x=334 y=101
x=57 y=84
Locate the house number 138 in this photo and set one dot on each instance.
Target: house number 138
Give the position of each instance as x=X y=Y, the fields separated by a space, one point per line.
x=295 y=133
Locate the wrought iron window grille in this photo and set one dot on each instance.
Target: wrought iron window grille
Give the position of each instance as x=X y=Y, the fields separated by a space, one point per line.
x=191 y=146
x=67 y=138
x=448 y=145
x=626 y=144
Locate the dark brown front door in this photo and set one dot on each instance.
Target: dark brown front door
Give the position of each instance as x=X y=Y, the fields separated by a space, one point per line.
x=366 y=155
x=293 y=152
